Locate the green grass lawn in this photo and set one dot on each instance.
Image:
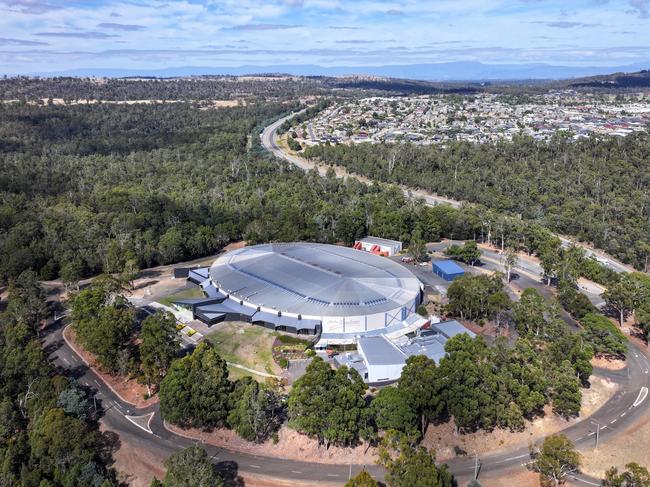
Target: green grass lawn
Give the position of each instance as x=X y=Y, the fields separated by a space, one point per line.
x=245 y=344
x=234 y=374
x=191 y=293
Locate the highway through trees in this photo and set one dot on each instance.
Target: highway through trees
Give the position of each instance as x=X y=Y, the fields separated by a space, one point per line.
x=269 y=141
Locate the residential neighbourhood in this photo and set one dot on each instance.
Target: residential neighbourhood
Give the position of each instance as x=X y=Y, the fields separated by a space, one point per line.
x=480 y=118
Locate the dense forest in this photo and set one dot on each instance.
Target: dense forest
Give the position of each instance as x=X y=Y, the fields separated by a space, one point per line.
x=49 y=431
x=215 y=88
x=194 y=88
x=596 y=189
x=86 y=189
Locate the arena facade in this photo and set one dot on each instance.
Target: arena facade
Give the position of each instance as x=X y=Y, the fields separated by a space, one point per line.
x=336 y=292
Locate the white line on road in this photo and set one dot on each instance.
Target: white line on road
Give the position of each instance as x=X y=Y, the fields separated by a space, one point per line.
x=518 y=456
x=132 y=419
x=612 y=421
x=513 y=458
x=584 y=480
x=254 y=466
x=296 y=471
x=117 y=405
x=65 y=360
x=643 y=393
x=333 y=475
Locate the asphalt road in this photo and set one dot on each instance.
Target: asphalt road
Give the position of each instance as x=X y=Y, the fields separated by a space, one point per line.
x=162 y=443
x=268 y=138
x=617 y=414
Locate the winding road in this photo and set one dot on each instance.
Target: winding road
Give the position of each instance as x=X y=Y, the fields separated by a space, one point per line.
x=144 y=428
x=269 y=141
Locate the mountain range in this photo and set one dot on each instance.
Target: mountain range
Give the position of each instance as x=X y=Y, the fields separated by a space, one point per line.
x=451 y=71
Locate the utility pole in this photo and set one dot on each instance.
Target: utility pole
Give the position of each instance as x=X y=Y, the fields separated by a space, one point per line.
x=597 y=432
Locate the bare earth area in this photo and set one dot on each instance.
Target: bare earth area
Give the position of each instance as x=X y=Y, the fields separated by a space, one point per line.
x=609 y=364
x=135 y=466
x=129 y=390
x=444 y=439
x=291 y=444
x=514 y=478
x=632 y=445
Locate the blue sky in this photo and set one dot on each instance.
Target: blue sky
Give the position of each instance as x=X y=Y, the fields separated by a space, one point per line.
x=55 y=35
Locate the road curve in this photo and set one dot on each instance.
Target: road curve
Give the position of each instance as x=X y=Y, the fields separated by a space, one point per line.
x=628 y=404
x=268 y=138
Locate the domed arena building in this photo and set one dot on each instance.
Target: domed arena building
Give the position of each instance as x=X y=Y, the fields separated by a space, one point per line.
x=338 y=293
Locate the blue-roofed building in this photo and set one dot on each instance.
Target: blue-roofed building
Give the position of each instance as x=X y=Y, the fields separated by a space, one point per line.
x=447 y=269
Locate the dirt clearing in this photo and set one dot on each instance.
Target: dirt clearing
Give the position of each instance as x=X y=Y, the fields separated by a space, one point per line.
x=632 y=445
x=291 y=445
x=446 y=442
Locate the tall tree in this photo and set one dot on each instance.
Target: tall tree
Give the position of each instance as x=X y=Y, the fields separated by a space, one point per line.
x=634 y=475
x=191 y=467
x=362 y=479
x=510 y=261
x=329 y=405
x=158 y=347
x=530 y=312
x=311 y=398
x=622 y=296
x=391 y=410
x=416 y=467
x=196 y=390
x=420 y=386
x=555 y=460
x=566 y=396
x=258 y=411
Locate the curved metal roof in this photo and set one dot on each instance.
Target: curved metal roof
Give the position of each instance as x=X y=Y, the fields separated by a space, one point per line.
x=314 y=279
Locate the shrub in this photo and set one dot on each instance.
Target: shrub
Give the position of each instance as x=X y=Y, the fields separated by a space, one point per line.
x=293 y=340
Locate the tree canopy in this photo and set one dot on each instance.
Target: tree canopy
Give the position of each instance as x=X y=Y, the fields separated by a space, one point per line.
x=555 y=460
x=329 y=405
x=196 y=390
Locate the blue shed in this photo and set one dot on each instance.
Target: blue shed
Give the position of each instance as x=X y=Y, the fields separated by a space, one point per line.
x=447 y=269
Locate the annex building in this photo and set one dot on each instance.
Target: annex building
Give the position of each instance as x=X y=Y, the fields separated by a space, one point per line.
x=380 y=359
x=338 y=293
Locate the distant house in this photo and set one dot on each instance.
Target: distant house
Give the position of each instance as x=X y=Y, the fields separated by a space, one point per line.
x=447 y=269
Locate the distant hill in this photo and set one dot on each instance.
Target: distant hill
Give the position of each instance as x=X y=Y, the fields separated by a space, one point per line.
x=640 y=79
x=453 y=71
